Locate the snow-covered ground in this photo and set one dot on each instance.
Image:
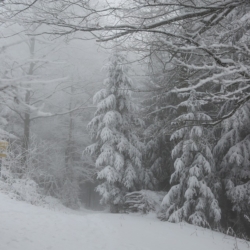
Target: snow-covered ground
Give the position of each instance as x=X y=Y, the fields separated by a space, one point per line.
x=27 y=227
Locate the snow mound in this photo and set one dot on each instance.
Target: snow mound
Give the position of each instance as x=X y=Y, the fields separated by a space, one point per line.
x=143 y=201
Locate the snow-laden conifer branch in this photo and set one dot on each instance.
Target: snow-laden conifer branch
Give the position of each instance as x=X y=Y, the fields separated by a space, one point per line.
x=118 y=149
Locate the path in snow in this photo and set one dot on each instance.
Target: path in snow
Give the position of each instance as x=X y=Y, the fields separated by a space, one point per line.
x=27 y=227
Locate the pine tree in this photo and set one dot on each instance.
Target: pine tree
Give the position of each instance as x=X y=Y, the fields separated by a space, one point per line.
x=158 y=146
x=190 y=198
x=160 y=110
x=232 y=154
x=117 y=148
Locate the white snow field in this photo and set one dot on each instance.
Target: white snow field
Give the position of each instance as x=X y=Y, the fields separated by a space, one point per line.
x=27 y=227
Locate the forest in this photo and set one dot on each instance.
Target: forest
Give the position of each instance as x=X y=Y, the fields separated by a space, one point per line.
x=135 y=106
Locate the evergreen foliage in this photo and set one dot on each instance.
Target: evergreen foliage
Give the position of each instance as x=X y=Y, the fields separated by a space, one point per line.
x=190 y=198
x=117 y=148
x=233 y=161
x=199 y=54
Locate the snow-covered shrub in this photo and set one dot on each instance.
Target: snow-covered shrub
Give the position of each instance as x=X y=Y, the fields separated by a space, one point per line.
x=40 y=176
x=15 y=181
x=21 y=189
x=143 y=201
x=46 y=167
x=27 y=190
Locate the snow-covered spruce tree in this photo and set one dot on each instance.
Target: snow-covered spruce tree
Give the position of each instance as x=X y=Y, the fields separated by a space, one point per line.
x=158 y=146
x=117 y=148
x=160 y=109
x=232 y=154
x=190 y=198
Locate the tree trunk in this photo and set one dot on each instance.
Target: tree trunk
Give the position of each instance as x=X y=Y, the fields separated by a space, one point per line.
x=69 y=146
x=26 y=136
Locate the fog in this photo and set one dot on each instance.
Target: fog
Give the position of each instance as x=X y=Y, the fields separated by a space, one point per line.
x=126 y=107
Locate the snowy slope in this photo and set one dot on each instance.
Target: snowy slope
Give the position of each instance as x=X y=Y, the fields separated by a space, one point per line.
x=27 y=227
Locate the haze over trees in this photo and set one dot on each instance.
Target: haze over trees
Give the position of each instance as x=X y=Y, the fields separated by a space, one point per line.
x=175 y=139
